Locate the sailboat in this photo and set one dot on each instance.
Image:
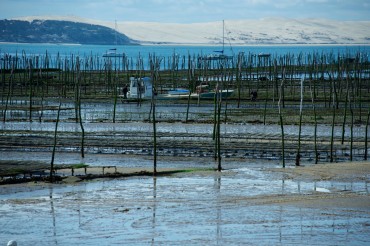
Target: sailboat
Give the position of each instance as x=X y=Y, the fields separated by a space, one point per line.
x=219 y=54
x=113 y=52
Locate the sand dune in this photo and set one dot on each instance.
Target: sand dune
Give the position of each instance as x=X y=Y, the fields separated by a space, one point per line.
x=238 y=32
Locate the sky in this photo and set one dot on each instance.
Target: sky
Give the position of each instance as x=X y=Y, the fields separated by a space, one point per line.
x=188 y=11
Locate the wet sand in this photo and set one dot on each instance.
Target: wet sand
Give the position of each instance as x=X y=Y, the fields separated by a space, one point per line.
x=333 y=172
x=343 y=171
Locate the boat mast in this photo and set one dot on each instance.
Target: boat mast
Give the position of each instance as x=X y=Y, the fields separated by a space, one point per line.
x=115 y=33
x=223 y=36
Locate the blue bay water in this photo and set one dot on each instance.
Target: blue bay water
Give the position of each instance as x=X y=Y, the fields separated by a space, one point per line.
x=167 y=51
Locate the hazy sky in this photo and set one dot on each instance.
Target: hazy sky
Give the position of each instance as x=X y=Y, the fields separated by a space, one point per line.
x=188 y=11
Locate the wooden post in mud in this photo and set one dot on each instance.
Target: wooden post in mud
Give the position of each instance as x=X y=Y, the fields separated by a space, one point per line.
x=215 y=111
x=115 y=92
x=281 y=120
x=315 y=126
x=216 y=136
x=351 y=142
x=30 y=88
x=191 y=71
x=8 y=97
x=3 y=79
x=358 y=67
x=115 y=99
x=219 y=133
x=351 y=105
x=298 y=156
x=55 y=143
x=332 y=130
x=78 y=95
x=46 y=67
x=154 y=74
x=366 y=131
x=227 y=91
x=282 y=90
x=345 y=111
x=265 y=109
x=154 y=139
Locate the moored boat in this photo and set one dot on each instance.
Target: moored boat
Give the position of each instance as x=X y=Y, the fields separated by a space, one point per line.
x=113 y=53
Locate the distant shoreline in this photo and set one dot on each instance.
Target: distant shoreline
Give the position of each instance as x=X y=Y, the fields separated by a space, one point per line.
x=200 y=44
x=251 y=45
x=56 y=44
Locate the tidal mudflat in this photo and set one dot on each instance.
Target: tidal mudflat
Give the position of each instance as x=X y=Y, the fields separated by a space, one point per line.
x=247 y=203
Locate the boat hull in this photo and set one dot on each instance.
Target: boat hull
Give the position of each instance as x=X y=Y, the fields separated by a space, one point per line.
x=113 y=55
x=210 y=95
x=205 y=95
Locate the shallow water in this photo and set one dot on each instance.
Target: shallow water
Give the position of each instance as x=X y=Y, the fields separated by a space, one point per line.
x=197 y=209
x=97 y=119
x=322 y=130
x=93 y=113
x=175 y=132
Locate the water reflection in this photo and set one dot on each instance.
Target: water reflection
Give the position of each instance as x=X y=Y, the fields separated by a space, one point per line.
x=53 y=214
x=154 y=209
x=217 y=186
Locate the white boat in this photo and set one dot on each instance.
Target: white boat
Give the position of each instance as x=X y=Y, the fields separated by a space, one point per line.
x=113 y=53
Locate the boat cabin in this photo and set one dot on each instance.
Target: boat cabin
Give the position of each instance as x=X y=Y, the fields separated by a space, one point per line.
x=140 y=87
